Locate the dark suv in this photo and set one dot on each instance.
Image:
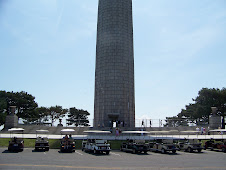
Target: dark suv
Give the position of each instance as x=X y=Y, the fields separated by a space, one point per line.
x=212 y=145
x=134 y=146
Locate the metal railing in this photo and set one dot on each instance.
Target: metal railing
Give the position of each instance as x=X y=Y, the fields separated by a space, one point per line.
x=138 y=123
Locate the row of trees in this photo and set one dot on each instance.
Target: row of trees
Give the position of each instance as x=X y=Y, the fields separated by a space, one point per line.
x=28 y=110
x=199 y=111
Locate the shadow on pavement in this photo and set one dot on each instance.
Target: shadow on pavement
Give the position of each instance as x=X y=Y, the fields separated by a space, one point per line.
x=65 y=152
x=168 y=153
x=6 y=151
x=97 y=154
x=38 y=150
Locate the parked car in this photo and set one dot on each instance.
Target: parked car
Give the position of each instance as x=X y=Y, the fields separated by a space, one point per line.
x=96 y=146
x=16 y=144
x=67 y=143
x=163 y=146
x=190 y=145
x=212 y=145
x=134 y=146
x=41 y=142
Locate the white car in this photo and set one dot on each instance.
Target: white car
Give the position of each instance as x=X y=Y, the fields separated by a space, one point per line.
x=41 y=142
x=163 y=146
x=190 y=145
x=96 y=146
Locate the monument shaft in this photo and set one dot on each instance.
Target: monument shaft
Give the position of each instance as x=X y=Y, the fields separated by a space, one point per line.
x=114 y=75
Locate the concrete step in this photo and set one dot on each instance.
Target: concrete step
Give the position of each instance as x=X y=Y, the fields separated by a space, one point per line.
x=31 y=129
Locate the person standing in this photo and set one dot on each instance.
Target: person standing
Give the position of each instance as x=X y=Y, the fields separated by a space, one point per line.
x=121 y=124
x=117 y=132
x=201 y=130
x=197 y=130
x=204 y=131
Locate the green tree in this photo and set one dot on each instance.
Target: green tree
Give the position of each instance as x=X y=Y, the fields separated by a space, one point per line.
x=78 y=117
x=24 y=102
x=56 y=112
x=208 y=98
x=3 y=107
x=199 y=111
x=26 y=105
x=176 y=121
x=42 y=114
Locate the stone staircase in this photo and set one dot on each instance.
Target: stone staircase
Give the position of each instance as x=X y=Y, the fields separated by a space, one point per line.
x=31 y=129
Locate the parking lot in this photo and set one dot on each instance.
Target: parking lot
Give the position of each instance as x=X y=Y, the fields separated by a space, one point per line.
x=54 y=159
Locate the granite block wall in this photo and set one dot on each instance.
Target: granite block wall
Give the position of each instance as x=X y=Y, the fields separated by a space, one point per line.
x=114 y=74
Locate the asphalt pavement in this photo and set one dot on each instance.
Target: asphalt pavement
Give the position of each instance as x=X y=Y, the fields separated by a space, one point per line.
x=54 y=159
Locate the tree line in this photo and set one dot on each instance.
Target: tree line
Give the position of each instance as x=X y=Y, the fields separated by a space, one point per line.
x=199 y=111
x=28 y=110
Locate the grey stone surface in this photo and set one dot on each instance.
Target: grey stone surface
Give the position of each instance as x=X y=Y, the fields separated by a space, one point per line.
x=11 y=121
x=114 y=76
x=214 y=121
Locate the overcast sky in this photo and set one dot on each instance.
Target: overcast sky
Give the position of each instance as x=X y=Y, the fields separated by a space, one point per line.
x=47 y=48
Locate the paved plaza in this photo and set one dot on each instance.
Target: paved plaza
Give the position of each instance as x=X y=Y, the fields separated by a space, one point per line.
x=29 y=159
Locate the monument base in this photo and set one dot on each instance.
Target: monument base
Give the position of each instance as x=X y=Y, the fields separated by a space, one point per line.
x=214 y=121
x=11 y=121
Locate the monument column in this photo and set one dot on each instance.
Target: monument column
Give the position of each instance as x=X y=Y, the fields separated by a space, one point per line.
x=114 y=74
x=11 y=119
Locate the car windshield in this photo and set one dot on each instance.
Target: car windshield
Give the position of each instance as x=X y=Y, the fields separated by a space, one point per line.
x=193 y=141
x=140 y=141
x=101 y=141
x=168 y=141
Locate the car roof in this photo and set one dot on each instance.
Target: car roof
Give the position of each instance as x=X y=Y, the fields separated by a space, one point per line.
x=15 y=129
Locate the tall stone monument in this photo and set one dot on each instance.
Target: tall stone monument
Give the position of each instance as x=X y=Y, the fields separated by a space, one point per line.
x=11 y=119
x=114 y=76
x=214 y=119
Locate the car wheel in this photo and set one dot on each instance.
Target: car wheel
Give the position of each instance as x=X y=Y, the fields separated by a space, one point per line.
x=163 y=151
x=174 y=151
x=199 y=150
x=134 y=151
x=223 y=150
x=145 y=152
x=107 y=152
x=121 y=149
x=190 y=150
x=94 y=151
